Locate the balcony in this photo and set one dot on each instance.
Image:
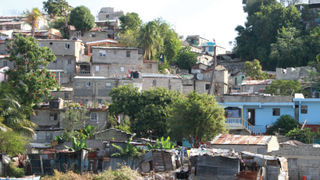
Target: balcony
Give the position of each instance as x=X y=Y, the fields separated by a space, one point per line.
x=238 y=123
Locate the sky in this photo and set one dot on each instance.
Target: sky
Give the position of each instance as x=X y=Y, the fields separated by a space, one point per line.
x=211 y=19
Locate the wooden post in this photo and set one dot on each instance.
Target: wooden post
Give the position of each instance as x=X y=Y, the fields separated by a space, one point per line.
x=242 y=116
x=214 y=67
x=42 y=171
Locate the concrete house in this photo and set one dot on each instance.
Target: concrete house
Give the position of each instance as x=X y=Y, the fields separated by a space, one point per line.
x=220 y=79
x=238 y=143
x=109 y=13
x=115 y=61
x=97 y=88
x=168 y=81
x=253 y=114
x=306 y=109
x=291 y=73
x=150 y=66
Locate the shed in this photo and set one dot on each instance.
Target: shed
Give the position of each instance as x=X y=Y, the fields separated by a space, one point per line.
x=216 y=165
x=238 y=143
x=165 y=160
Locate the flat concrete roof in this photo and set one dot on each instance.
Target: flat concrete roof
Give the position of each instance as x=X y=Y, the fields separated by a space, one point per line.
x=115 y=48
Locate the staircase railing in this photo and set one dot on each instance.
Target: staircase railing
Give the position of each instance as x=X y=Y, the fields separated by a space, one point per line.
x=250 y=127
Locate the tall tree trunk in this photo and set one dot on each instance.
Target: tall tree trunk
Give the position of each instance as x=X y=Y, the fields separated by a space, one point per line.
x=33 y=28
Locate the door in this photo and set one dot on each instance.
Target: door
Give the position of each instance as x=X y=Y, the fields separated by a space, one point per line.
x=296 y=113
x=251 y=116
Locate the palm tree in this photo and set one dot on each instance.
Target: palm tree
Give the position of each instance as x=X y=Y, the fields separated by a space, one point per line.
x=32 y=18
x=149 y=39
x=12 y=114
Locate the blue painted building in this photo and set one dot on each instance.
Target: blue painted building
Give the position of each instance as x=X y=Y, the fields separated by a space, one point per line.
x=253 y=114
x=307 y=108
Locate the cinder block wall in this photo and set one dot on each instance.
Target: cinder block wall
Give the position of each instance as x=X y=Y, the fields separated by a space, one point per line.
x=303 y=160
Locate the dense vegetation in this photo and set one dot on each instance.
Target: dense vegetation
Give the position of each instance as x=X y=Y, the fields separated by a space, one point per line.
x=274 y=34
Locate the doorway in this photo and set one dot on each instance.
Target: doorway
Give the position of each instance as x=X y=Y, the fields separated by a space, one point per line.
x=296 y=112
x=251 y=116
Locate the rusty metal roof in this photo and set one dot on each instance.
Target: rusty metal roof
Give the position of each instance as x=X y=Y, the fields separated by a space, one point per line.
x=241 y=139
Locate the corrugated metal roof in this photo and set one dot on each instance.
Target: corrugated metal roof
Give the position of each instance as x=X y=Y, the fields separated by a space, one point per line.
x=293 y=143
x=256 y=82
x=147 y=75
x=241 y=139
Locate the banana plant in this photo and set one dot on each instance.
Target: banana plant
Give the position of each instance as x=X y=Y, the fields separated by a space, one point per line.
x=77 y=144
x=164 y=144
x=89 y=131
x=129 y=152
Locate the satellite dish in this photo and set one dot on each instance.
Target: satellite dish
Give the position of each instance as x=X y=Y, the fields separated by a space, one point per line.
x=199 y=76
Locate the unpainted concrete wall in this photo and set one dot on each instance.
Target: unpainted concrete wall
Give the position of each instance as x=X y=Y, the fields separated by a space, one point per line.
x=303 y=160
x=108 y=135
x=239 y=148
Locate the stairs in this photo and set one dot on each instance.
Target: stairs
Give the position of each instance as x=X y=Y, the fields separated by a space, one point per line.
x=239 y=123
x=250 y=128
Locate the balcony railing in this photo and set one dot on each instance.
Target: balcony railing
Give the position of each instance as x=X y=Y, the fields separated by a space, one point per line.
x=246 y=125
x=233 y=120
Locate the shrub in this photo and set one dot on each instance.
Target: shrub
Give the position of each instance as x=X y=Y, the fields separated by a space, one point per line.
x=15 y=171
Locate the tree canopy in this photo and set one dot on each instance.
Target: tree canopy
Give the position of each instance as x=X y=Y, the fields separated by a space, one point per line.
x=130 y=21
x=56 y=7
x=146 y=110
x=186 y=58
x=254 y=70
x=283 y=88
x=283 y=125
x=265 y=18
x=197 y=116
x=82 y=19
x=30 y=81
x=12 y=143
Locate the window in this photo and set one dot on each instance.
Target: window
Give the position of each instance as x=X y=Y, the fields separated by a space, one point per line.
x=93 y=34
x=122 y=69
x=53 y=116
x=108 y=85
x=304 y=109
x=207 y=86
x=66 y=95
x=99 y=101
x=276 y=111
x=107 y=15
x=128 y=53
x=49 y=136
x=154 y=83
x=102 y=53
x=40 y=44
x=67 y=46
x=5 y=63
x=55 y=61
x=50 y=43
x=114 y=52
x=87 y=84
x=97 y=68
x=149 y=66
x=69 y=61
x=93 y=116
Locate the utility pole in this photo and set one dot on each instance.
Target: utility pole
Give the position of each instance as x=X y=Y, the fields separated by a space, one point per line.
x=214 y=68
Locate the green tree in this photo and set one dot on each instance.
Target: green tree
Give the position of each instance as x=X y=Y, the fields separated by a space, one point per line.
x=30 y=81
x=283 y=88
x=186 y=58
x=82 y=19
x=197 y=116
x=59 y=8
x=265 y=18
x=77 y=144
x=287 y=3
x=146 y=110
x=130 y=21
x=254 y=70
x=12 y=143
x=33 y=17
x=129 y=38
x=89 y=131
x=288 y=50
x=13 y=116
x=149 y=40
x=304 y=135
x=129 y=152
x=171 y=42
x=284 y=124
x=74 y=119
x=163 y=144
